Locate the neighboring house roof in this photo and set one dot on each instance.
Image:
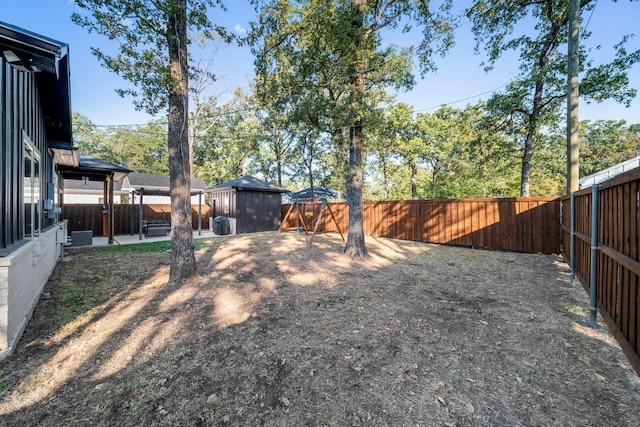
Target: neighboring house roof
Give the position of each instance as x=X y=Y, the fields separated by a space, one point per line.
x=156 y=184
x=318 y=191
x=605 y=174
x=248 y=182
x=152 y=184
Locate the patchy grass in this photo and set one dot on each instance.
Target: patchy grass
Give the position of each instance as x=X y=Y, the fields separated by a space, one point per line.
x=578 y=311
x=159 y=246
x=4 y=383
x=274 y=333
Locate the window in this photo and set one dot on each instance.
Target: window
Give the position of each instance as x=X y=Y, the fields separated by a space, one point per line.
x=31 y=188
x=225 y=205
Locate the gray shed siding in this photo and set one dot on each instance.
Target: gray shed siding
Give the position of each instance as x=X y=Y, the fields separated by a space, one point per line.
x=218 y=198
x=257 y=211
x=254 y=211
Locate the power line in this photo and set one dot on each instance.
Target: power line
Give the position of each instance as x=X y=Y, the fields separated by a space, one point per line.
x=332 y=80
x=463 y=99
x=589 y=20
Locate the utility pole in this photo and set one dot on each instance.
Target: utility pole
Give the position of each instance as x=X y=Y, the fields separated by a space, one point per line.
x=573 y=172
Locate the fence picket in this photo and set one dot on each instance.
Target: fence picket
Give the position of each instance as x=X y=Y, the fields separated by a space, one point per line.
x=618 y=276
x=487 y=223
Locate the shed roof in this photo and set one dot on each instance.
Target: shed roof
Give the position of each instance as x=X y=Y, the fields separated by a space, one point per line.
x=248 y=182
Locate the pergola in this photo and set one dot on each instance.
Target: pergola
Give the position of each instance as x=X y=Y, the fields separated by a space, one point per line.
x=91 y=168
x=160 y=192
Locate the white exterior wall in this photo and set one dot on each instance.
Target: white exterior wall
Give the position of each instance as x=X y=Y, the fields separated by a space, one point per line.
x=23 y=275
x=94 y=199
x=154 y=200
x=164 y=200
x=86 y=199
x=81 y=199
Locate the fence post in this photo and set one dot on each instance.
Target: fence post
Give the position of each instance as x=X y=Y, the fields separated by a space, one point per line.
x=140 y=215
x=133 y=215
x=572 y=239
x=200 y=213
x=593 y=280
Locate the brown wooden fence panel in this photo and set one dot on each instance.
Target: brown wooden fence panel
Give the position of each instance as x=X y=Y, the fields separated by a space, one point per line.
x=618 y=263
x=125 y=219
x=529 y=224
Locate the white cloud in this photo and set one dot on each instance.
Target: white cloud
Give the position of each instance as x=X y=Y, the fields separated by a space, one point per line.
x=239 y=29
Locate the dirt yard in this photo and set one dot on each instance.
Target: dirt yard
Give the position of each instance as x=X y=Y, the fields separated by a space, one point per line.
x=277 y=334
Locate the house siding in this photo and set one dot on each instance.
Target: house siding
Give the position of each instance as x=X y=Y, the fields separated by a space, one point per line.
x=23 y=275
x=25 y=264
x=21 y=109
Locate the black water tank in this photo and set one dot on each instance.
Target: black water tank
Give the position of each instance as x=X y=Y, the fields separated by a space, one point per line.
x=221 y=225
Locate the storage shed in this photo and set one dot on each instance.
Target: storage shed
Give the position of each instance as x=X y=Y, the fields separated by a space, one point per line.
x=254 y=203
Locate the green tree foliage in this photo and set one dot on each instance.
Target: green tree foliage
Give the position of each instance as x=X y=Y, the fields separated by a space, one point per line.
x=141 y=148
x=400 y=138
x=228 y=141
x=89 y=139
x=535 y=98
x=276 y=141
x=152 y=53
x=604 y=143
x=450 y=153
x=326 y=62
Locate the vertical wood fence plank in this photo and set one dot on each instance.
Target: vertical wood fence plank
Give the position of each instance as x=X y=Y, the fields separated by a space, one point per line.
x=619 y=264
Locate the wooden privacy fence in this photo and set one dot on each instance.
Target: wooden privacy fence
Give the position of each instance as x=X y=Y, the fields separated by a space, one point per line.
x=616 y=269
x=90 y=217
x=526 y=224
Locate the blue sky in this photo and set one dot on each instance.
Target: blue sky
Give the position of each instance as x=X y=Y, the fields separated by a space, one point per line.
x=458 y=81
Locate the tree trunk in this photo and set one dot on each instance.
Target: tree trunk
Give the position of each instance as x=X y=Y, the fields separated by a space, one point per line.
x=573 y=150
x=525 y=173
x=385 y=178
x=279 y=170
x=183 y=262
x=355 y=238
x=532 y=127
x=413 y=164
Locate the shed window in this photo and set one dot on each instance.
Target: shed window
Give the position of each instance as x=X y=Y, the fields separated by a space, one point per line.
x=31 y=188
x=225 y=206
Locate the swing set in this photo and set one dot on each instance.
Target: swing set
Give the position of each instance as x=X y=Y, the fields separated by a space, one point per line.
x=303 y=204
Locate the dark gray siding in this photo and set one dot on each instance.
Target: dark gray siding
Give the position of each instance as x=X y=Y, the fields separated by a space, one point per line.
x=253 y=210
x=257 y=211
x=219 y=197
x=21 y=111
